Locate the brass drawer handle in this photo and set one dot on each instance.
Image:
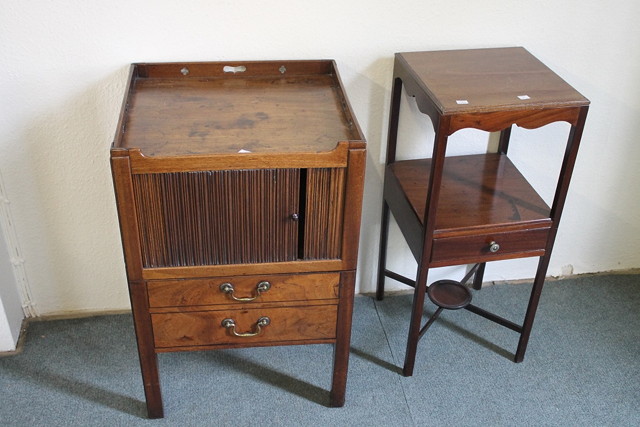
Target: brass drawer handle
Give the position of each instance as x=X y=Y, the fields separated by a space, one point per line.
x=261 y=287
x=494 y=247
x=231 y=325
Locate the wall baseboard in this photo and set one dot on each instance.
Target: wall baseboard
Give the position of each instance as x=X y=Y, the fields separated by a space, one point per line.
x=524 y=281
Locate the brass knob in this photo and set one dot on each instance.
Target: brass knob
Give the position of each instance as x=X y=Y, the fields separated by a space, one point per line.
x=494 y=247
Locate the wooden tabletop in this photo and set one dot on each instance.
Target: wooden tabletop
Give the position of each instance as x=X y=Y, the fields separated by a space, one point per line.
x=170 y=114
x=477 y=80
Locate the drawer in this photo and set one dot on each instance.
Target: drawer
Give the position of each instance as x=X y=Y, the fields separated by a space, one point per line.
x=477 y=248
x=202 y=328
x=280 y=288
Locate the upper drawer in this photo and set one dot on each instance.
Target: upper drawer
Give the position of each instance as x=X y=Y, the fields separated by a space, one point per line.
x=190 y=292
x=478 y=248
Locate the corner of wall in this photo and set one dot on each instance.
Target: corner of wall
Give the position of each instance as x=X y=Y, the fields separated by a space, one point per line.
x=15 y=301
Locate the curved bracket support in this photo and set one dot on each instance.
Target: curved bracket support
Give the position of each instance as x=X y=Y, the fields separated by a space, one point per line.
x=499 y=120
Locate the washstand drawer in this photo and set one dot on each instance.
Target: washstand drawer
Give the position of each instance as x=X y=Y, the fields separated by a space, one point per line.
x=201 y=328
x=488 y=247
x=245 y=289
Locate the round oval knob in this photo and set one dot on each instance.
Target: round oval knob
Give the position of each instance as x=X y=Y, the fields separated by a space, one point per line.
x=263 y=286
x=494 y=247
x=295 y=216
x=227 y=288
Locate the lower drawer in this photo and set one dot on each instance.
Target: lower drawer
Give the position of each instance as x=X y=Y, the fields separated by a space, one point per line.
x=478 y=248
x=200 y=328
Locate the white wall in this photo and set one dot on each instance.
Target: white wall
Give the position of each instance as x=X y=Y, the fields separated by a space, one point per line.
x=64 y=69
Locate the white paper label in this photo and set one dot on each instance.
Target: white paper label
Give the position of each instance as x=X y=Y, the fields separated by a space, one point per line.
x=523 y=97
x=244 y=151
x=462 y=101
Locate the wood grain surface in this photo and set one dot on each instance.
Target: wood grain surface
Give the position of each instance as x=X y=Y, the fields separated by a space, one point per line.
x=205 y=327
x=284 y=288
x=481 y=80
x=477 y=191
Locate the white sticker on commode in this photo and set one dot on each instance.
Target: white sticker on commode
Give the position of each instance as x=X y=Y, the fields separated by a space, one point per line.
x=523 y=97
x=462 y=101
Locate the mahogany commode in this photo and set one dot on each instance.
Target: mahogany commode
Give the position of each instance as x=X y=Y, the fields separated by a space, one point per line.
x=239 y=191
x=477 y=208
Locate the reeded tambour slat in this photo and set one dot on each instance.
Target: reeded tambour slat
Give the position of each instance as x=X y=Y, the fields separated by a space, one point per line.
x=217 y=217
x=323 y=223
x=237 y=217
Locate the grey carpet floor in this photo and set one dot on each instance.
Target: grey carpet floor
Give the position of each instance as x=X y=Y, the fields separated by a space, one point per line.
x=582 y=368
